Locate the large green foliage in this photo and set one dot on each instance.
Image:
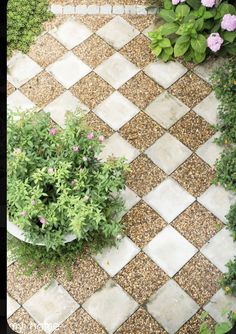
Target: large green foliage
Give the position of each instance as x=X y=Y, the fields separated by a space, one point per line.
x=24 y=23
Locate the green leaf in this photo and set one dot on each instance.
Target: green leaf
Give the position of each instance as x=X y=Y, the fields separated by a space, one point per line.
x=157 y=50
x=194 y=4
x=198 y=57
x=199 y=24
x=204 y=329
x=224 y=8
x=165 y=56
x=167 y=15
x=199 y=44
x=208 y=15
x=204 y=315
x=169 y=50
x=168 y=4
x=165 y=43
x=223 y=328
x=229 y=36
x=182 y=10
x=169 y=28
x=181 y=46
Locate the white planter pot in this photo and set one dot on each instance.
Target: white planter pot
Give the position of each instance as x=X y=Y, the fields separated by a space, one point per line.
x=17 y=232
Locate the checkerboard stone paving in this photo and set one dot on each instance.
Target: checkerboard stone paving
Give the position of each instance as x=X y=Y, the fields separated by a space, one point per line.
x=164 y=270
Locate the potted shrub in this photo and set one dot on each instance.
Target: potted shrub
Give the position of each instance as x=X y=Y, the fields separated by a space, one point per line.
x=58 y=188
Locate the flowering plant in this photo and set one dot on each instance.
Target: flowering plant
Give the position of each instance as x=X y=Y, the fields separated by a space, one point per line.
x=194 y=29
x=56 y=182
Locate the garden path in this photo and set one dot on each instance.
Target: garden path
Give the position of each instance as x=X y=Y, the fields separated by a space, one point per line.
x=159 y=116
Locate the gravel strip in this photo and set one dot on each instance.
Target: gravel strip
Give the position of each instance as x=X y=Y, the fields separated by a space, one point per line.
x=194 y=175
x=95 y=22
x=141 y=131
x=10 y=88
x=98 y=125
x=199 y=278
x=192 y=130
x=190 y=89
x=141 y=277
x=140 y=22
x=144 y=175
x=22 y=323
x=192 y=326
x=142 y=224
x=141 y=90
x=197 y=224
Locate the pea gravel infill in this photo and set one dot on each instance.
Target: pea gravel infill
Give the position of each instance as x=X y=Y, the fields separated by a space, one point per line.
x=165 y=271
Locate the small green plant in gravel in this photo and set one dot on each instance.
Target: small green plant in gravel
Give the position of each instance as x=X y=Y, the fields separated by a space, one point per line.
x=220 y=328
x=228 y=282
x=231 y=221
x=24 y=23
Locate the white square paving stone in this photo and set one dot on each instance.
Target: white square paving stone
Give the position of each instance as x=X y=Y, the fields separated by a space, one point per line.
x=217 y=200
x=168 y=153
x=18 y=101
x=12 y=306
x=205 y=70
x=68 y=69
x=171 y=306
x=71 y=33
x=207 y=108
x=165 y=74
x=210 y=151
x=166 y=110
x=130 y=198
x=111 y=306
x=220 y=249
x=116 y=110
x=113 y=259
x=21 y=69
x=170 y=250
x=169 y=199
x=218 y=303
x=51 y=306
x=116 y=70
x=117 y=32
x=118 y=147
x=65 y=102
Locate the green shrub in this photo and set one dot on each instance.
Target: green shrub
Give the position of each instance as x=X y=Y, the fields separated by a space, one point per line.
x=219 y=328
x=231 y=221
x=56 y=183
x=190 y=30
x=228 y=282
x=24 y=23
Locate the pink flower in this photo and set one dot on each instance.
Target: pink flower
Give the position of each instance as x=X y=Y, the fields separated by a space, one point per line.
x=214 y=42
x=176 y=2
x=75 y=148
x=50 y=170
x=101 y=138
x=23 y=213
x=85 y=158
x=33 y=202
x=42 y=220
x=208 y=3
x=228 y=22
x=53 y=131
x=90 y=135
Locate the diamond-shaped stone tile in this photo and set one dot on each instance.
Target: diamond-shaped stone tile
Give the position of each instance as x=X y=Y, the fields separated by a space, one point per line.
x=199 y=278
x=141 y=131
x=100 y=90
x=110 y=306
x=62 y=104
x=68 y=69
x=169 y=199
x=12 y=306
x=118 y=147
x=207 y=108
x=166 y=110
x=197 y=224
x=194 y=175
x=51 y=306
x=171 y=306
x=17 y=101
x=21 y=69
x=192 y=130
x=142 y=223
x=71 y=33
x=113 y=259
x=130 y=199
x=144 y=175
x=210 y=151
x=218 y=303
x=117 y=32
x=205 y=70
x=141 y=277
x=220 y=249
x=116 y=70
x=116 y=110
x=168 y=153
x=165 y=74
x=170 y=250
x=217 y=200
x=93 y=51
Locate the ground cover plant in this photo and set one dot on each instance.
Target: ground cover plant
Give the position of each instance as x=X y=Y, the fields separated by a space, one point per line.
x=220 y=328
x=24 y=23
x=194 y=29
x=58 y=185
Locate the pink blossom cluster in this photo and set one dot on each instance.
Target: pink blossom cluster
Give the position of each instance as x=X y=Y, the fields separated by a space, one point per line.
x=208 y=3
x=176 y=2
x=214 y=42
x=228 y=22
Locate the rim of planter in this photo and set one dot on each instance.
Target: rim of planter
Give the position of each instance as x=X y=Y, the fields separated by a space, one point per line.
x=17 y=232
